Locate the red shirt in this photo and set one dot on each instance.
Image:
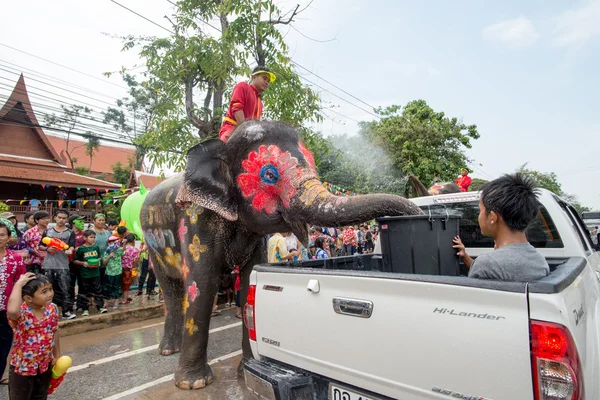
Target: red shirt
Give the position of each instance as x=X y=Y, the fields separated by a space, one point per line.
x=245 y=97
x=463 y=183
x=33 y=340
x=11 y=269
x=349 y=236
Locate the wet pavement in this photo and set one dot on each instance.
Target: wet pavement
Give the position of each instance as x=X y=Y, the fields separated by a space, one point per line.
x=122 y=362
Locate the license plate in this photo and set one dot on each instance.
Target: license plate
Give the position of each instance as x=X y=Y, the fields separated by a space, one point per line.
x=341 y=393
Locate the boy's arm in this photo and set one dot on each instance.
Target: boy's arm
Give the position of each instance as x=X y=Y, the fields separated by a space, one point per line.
x=13 y=309
x=462 y=252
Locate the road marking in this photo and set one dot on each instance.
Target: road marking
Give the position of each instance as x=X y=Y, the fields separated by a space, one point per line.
x=165 y=379
x=139 y=351
x=141 y=327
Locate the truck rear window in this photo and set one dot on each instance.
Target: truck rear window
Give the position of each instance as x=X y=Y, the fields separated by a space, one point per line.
x=542 y=233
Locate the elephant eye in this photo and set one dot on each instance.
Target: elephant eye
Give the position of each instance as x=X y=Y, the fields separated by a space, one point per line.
x=269 y=174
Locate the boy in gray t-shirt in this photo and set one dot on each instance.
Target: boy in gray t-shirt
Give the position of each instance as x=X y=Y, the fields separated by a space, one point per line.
x=506 y=207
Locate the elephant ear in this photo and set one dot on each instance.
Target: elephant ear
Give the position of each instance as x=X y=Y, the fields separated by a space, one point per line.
x=207 y=180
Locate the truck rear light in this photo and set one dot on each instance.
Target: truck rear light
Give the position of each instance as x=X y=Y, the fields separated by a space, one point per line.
x=249 y=312
x=556 y=367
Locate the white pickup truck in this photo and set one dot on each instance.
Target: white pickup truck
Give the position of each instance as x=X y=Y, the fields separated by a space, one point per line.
x=341 y=329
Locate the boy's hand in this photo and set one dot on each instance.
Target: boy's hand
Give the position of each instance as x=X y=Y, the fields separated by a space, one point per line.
x=29 y=276
x=85 y=264
x=458 y=244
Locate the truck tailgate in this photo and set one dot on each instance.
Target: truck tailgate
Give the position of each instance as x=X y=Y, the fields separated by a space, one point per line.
x=418 y=343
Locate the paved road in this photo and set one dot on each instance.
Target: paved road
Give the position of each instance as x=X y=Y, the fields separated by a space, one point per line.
x=123 y=363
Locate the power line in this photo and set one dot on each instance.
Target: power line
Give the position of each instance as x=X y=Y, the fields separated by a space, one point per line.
x=64 y=66
x=58 y=87
x=141 y=16
x=301 y=77
x=48 y=91
x=91 y=127
x=51 y=78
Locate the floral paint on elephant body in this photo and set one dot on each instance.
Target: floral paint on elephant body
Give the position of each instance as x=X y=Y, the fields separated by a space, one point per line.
x=193 y=211
x=160 y=239
x=191 y=328
x=161 y=214
x=193 y=291
x=196 y=248
x=271 y=176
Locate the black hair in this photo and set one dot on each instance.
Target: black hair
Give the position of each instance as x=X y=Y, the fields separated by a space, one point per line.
x=89 y=232
x=3 y=225
x=319 y=242
x=514 y=198
x=113 y=222
x=33 y=285
x=27 y=215
x=260 y=68
x=121 y=230
x=63 y=211
x=40 y=215
x=130 y=238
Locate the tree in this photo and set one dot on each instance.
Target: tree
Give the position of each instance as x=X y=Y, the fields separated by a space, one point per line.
x=67 y=121
x=549 y=180
x=420 y=141
x=81 y=170
x=347 y=162
x=92 y=146
x=121 y=173
x=134 y=114
x=191 y=60
x=476 y=184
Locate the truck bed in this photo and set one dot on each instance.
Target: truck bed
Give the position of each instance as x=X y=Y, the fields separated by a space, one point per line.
x=394 y=335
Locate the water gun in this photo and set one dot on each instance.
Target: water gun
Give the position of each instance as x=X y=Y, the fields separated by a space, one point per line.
x=55 y=243
x=58 y=372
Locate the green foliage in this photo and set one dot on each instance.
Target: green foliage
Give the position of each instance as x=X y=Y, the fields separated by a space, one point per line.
x=347 y=162
x=66 y=121
x=420 y=141
x=91 y=147
x=112 y=210
x=121 y=173
x=211 y=65
x=546 y=180
x=549 y=180
x=3 y=207
x=81 y=170
x=476 y=184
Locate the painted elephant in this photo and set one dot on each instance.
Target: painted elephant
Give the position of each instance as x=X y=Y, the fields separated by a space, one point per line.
x=435 y=189
x=215 y=215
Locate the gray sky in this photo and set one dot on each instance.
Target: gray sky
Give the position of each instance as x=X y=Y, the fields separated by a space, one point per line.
x=524 y=72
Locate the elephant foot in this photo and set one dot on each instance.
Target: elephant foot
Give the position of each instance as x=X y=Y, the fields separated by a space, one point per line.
x=190 y=380
x=168 y=347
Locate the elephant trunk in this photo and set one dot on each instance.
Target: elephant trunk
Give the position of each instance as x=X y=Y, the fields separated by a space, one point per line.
x=318 y=206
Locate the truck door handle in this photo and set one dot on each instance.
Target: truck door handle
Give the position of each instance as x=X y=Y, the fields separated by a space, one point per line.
x=353 y=307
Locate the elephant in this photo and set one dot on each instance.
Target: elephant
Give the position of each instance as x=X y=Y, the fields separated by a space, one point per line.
x=216 y=215
x=435 y=189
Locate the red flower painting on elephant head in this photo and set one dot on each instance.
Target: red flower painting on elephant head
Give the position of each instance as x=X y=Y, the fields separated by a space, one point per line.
x=271 y=176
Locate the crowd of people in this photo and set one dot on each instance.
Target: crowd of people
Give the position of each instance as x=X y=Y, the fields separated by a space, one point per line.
x=323 y=243
x=86 y=266
x=48 y=271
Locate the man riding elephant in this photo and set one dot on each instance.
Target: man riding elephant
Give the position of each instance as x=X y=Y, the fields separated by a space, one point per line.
x=246 y=103
x=216 y=215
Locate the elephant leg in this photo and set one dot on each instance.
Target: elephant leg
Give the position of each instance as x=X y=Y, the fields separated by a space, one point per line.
x=173 y=292
x=259 y=257
x=193 y=371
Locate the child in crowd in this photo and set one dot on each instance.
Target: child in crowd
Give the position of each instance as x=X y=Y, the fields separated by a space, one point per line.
x=34 y=319
x=506 y=207
x=88 y=258
x=130 y=257
x=320 y=251
x=114 y=268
